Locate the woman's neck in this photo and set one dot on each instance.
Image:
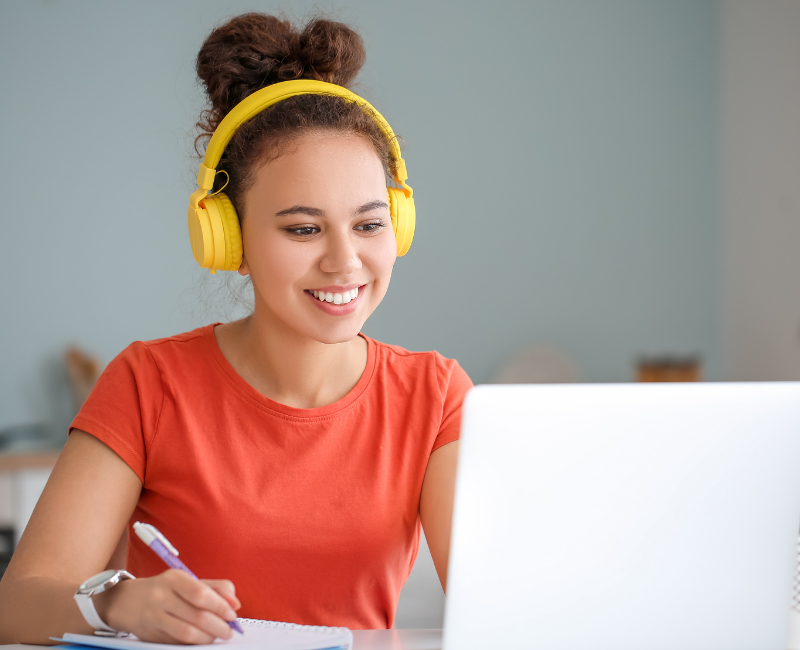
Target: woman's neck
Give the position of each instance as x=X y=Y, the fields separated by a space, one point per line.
x=286 y=366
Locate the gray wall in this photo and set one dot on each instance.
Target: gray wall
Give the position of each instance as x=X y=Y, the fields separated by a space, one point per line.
x=564 y=158
x=760 y=104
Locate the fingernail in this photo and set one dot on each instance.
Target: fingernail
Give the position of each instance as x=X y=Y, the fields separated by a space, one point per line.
x=230 y=615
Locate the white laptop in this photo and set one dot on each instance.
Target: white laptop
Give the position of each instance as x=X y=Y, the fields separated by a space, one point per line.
x=625 y=517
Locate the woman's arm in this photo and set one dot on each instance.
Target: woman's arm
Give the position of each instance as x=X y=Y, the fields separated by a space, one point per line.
x=72 y=535
x=436 y=505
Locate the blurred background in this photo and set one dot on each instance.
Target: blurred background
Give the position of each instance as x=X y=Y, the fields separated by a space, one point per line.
x=605 y=190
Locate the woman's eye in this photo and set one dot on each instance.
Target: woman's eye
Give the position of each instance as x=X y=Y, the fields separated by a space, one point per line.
x=371 y=227
x=303 y=231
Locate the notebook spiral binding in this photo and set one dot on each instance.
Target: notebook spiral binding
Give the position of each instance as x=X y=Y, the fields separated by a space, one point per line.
x=318 y=629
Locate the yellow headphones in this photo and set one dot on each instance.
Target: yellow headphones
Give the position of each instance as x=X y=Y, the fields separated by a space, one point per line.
x=213 y=223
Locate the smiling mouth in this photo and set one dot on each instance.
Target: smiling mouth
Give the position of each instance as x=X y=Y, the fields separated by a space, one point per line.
x=335 y=298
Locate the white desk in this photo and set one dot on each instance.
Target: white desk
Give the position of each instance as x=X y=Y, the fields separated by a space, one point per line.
x=397 y=639
x=362 y=640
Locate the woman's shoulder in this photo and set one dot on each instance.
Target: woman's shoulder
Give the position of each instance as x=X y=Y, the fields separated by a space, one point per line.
x=396 y=354
x=396 y=360
x=125 y=406
x=176 y=340
x=185 y=344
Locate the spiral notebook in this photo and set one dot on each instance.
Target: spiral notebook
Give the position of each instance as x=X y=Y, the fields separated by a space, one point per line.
x=268 y=635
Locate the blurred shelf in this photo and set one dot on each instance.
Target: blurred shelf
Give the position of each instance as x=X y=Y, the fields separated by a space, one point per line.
x=12 y=462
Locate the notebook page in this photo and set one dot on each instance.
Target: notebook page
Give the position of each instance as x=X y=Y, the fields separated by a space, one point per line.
x=269 y=635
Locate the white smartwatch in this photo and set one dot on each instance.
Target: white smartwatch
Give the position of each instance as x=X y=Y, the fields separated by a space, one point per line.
x=95 y=585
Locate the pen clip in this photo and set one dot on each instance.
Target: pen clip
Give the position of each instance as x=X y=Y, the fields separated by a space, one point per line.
x=147 y=533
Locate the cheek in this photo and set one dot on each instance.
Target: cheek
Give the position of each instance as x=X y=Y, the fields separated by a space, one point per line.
x=381 y=262
x=274 y=261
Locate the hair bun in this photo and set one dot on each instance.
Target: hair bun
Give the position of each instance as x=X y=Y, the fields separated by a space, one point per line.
x=255 y=50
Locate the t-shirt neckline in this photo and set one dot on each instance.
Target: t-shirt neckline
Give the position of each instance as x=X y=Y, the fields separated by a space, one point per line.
x=304 y=414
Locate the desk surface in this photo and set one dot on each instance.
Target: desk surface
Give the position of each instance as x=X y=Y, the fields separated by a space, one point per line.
x=362 y=640
x=397 y=639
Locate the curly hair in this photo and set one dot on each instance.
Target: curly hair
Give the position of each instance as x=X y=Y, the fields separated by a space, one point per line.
x=255 y=50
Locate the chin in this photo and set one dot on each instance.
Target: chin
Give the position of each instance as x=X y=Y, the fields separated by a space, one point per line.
x=334 y=335
x=328 y=333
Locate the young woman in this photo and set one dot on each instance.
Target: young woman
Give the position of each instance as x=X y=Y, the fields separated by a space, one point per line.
x=285 y=455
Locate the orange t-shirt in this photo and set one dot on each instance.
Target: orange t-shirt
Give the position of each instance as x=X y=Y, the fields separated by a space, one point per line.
x=312 y=513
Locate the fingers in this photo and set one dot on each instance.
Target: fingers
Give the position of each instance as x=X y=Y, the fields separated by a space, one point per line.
x=192 y=625
x=163 y=616
x=172 y=607
x=200 y=595
x=176 y=631
x=225 y=589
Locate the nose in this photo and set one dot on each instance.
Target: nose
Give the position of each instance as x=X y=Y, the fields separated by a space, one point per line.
x=341 y=252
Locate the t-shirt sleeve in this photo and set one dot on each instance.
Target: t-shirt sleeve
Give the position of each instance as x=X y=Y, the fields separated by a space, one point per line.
x=455 y=384
x=124 y=406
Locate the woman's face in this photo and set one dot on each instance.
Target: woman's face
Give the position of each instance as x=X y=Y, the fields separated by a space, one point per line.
x=317 y=220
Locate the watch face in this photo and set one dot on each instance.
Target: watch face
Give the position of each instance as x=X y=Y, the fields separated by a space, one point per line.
x=99 y=579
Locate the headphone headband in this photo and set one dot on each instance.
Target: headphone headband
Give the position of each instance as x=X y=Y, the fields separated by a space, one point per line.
x=262 y=99
x=214 y=229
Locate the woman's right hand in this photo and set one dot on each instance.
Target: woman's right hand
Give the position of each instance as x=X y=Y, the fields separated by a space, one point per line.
x=171 y=607
x=75 y=528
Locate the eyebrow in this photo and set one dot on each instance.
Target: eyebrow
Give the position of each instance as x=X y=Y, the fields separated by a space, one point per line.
x=301 y=209
x=372 y=205
x=316 y=212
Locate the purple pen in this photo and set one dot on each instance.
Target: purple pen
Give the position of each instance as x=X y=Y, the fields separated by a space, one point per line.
x=162 y=547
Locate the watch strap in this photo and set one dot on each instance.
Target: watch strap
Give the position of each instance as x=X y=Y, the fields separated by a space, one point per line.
x=86 y=606
x=83 y=598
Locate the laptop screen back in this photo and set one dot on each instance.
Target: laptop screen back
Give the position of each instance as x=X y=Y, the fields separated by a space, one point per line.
x=625 y=517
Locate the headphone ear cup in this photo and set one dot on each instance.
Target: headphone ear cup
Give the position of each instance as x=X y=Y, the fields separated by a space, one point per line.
x=201 y=237
x=231 y=229
x=404 y=219
x=227 y=234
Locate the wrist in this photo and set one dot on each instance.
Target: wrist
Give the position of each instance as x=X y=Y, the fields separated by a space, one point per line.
x=87 y=598
x=109 y=608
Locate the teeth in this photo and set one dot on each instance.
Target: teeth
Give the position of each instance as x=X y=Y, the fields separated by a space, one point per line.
x=336 y=298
